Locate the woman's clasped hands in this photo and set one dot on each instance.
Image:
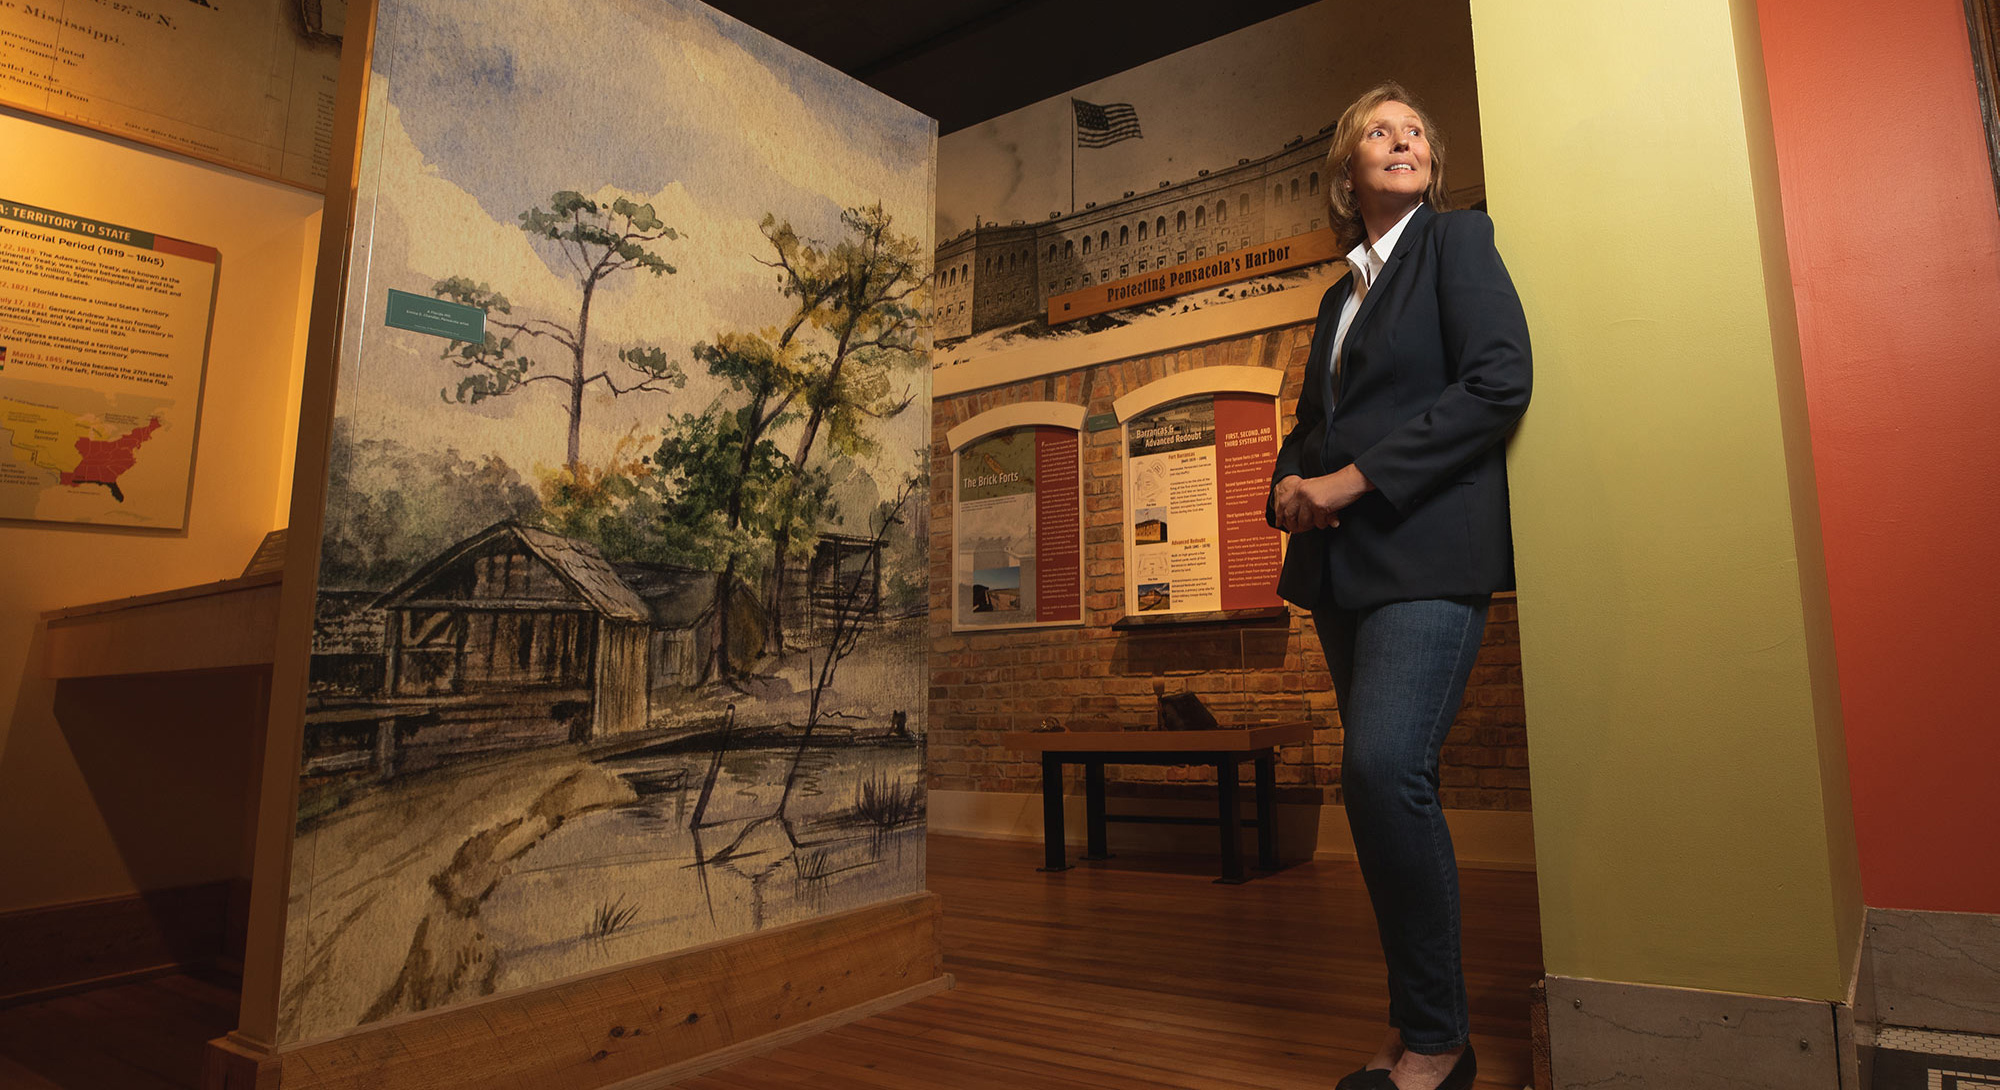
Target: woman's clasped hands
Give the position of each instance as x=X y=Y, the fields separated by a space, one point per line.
x=1315 y=503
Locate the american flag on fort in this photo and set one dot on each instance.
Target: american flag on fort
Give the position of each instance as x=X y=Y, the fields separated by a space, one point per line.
x=1101 y=126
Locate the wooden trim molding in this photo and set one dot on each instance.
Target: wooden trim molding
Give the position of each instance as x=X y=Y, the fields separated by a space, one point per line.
x=1267 y=381
x=1933 y=970
x=1055 y=414
x=639 y=1025
x=87 y=944
x=1168 y=333
x=1609 y=1033
x=1982 y=19
x=1483 y=839
x=291 y=642
x=214 y=626
x=233 y=1063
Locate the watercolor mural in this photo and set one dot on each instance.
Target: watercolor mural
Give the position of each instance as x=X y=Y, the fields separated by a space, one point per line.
x=619 y=643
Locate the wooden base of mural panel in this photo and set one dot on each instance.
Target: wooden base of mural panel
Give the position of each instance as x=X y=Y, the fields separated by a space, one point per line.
x=757 y=1046
x=235 y=1064
x=638 y=1026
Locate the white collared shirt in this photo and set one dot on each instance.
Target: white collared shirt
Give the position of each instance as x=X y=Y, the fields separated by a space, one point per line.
x=1367 y=262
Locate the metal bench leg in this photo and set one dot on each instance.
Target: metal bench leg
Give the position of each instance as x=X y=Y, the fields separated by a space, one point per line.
x=1093 y=811
x=1225 y=797
x=1267 y=810
x=1053 y=857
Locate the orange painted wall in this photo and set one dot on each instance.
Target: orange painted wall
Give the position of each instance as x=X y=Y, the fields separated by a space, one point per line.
x=97 y=800
x=1895 y=253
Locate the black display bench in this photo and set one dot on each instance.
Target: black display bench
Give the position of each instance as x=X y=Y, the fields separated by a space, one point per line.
x=1224 y=750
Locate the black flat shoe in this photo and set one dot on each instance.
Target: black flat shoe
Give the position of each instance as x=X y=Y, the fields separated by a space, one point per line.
x=1460 y=1077
x=1462 y=1072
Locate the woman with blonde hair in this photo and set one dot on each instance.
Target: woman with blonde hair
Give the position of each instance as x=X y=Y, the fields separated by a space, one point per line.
x=1393 y=485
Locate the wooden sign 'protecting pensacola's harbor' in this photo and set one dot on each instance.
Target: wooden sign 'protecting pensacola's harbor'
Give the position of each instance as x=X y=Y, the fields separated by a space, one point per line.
x=1311 y=248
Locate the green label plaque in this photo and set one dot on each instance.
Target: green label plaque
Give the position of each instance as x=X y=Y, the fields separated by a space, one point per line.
x=437 y=317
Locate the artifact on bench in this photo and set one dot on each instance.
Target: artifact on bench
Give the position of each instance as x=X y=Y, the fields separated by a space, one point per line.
x=1182 y=711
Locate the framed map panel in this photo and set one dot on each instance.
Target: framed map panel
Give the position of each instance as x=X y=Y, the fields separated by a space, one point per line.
x=248 y=86
x=103 y=343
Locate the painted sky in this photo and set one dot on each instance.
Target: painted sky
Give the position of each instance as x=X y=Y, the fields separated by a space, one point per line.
x=482 y=111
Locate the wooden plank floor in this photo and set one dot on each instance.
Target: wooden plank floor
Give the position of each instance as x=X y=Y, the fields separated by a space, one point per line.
x=1141 y=973
x=1134 y=974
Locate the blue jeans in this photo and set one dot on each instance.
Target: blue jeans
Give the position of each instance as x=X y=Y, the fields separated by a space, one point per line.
x=1399 y=673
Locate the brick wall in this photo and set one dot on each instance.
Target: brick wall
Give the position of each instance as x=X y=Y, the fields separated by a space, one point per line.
x=986 y=683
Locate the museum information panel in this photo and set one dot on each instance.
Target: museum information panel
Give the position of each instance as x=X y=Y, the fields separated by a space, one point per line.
x=1197 y=471
x=246 y=85
x=103 y=339
x=1019 y=532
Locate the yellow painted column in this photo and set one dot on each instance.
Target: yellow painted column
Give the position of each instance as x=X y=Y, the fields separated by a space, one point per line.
x=1692 y=820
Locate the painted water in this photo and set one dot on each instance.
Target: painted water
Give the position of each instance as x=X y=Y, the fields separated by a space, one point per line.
x=614 y=884
x=524 y=868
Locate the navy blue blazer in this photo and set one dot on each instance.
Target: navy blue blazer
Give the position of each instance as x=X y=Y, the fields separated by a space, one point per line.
x=1436 y=373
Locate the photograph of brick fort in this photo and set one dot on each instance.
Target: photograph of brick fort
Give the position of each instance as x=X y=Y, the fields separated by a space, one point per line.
x=993 y=275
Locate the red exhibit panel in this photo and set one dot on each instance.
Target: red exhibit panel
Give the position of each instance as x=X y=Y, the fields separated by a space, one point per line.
x=1058 y=526
x=1246 y=445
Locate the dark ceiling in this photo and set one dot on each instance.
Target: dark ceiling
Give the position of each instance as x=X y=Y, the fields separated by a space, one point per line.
x=965 y=61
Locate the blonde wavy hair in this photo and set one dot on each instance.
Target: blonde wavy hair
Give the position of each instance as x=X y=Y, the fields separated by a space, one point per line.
x=1346 y=215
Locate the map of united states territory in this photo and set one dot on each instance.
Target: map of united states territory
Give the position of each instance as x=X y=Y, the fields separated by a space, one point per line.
x=80 y=449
